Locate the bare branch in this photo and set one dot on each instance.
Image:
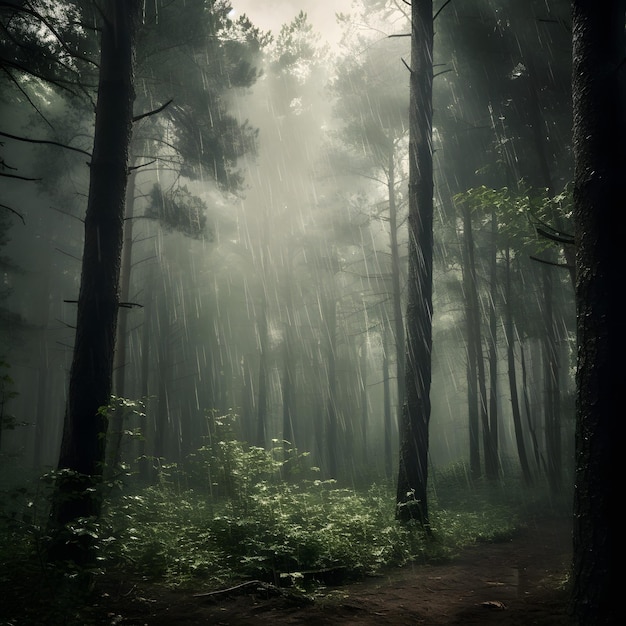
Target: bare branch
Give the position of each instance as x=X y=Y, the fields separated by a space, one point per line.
x=555 y=236
x=8 y=208
x=45 y=141
x=4 y=175
x=28 y=98
x=441 y=8
x=72 y=256
x=80 y=219
x=149 y=113
x=545 y=262
x=136 y=167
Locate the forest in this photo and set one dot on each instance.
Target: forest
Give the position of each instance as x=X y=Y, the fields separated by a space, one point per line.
x=281 y=313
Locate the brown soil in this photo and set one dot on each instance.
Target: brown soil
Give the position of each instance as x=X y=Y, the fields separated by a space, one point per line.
x=521 y=581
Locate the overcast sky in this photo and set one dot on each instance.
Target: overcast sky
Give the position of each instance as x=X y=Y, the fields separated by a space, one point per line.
x=272 y=14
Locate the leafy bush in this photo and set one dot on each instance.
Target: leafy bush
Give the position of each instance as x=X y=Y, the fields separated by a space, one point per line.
x=228 y=514
x=284 y=530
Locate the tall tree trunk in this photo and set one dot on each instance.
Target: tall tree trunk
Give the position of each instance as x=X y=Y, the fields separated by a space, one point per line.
x=332 y=418
x=82 y=448
x=289 y=402
x=289 y=374
x=261 y=417
x=398 y=321
x=147 y=432
x=473 y=343
x=475 y=330
x=599 y=92
x=551 y=371
x=116 y=425
x=263 y=334
x=363 y=358
x=539 y=460
x=510 y=354
x=388 y=417
x=413 y=467
x=119 y=364
x=492 y=461
x=163 y=415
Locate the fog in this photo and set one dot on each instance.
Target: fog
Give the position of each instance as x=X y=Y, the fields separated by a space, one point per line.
x=276 y=296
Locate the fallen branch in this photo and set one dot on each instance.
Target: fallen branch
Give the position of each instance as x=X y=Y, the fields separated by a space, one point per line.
x=248 y=583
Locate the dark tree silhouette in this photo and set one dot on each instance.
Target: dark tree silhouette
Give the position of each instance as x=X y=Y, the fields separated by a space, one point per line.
x=599 y=97
x=82 y=448
x=413 y=470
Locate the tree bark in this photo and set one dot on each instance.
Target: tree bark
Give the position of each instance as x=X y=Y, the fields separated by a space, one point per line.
x=412 y=502
x=262 y=329
x=492 y=459
x=551 y=370
x=116 y=425
x=599 y=99
x=332 y=419
x=512 y=372
x=398 y=321
x=84 y=433
x=387 y=414
x=472 y=329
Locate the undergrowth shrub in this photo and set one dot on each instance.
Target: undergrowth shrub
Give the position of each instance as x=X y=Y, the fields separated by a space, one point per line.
x=228 y=514
x=232 y=512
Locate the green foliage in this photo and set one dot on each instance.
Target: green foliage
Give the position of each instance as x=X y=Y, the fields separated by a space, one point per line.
x=297 y=46
x=195 y=55
x=62 y=589
x=229 y=515
x=178 y=210
x=286 y=530
x=522 y=215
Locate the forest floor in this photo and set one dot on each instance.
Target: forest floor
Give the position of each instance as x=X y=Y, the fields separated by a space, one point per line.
x=521 y=581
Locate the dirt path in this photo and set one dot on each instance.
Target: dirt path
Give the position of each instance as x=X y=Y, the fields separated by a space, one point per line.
x=518 y=582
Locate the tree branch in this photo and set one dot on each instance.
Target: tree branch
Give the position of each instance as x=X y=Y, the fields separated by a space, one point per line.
x=149 y=113
x=136 y=167
x=441 y=8
x=4 y=175
x=555 y=236
x=563 y=265
x=45 y=141
x=44 y=20
x=28 y=98
x=8 y=208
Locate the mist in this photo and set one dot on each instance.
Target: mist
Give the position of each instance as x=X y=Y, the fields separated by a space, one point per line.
x=304 y=248
x=264 y=267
